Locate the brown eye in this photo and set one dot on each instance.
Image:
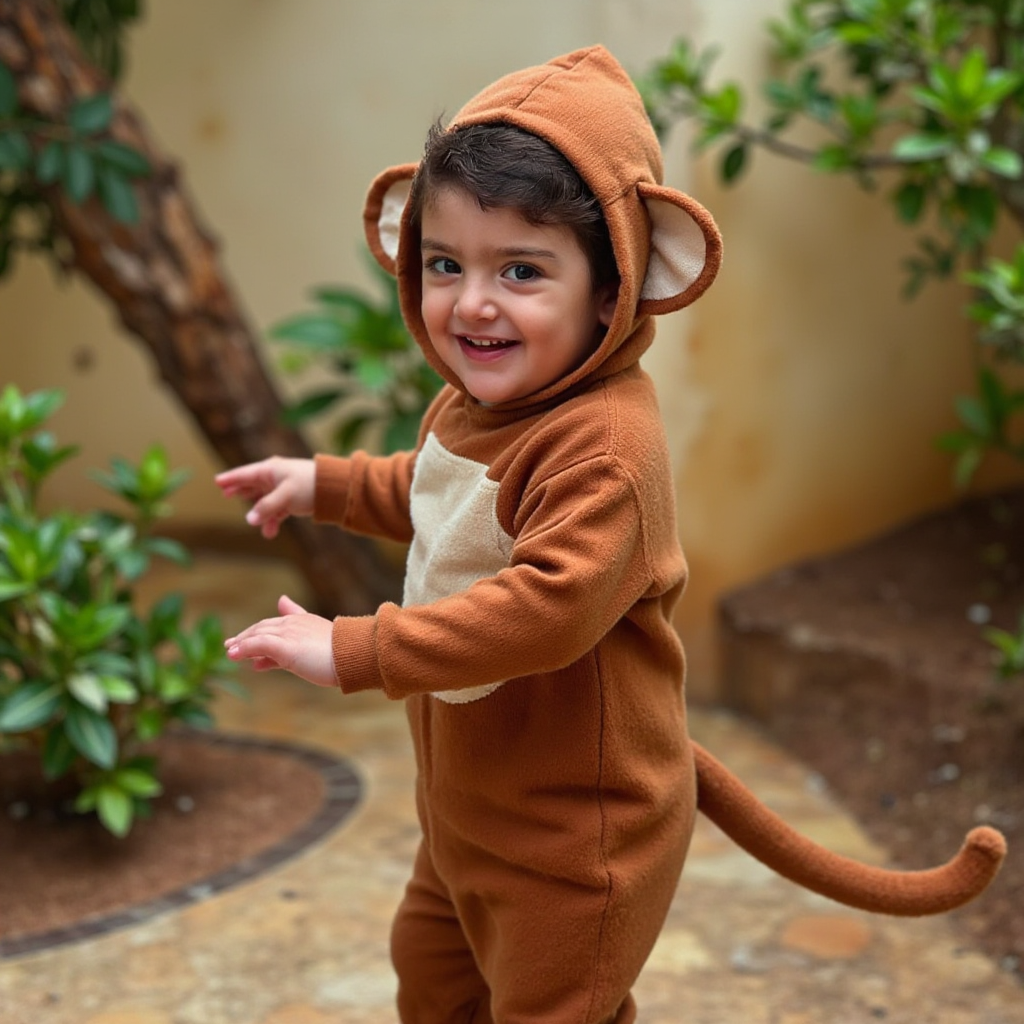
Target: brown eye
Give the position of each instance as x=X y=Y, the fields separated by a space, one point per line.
x=443 y=265
x=522 y=272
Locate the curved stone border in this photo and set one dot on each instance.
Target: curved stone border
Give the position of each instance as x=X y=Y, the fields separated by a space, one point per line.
x=342 y=792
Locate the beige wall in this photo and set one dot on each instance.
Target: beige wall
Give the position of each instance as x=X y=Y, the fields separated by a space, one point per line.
x=800 y=394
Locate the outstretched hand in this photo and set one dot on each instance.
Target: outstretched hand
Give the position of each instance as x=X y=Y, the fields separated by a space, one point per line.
x=279 y=487
x=296 y=641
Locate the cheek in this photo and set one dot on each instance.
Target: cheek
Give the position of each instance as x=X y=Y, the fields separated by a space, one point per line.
x=432 y=309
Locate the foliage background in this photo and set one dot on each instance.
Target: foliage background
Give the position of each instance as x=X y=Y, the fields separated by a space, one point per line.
x=801 y=394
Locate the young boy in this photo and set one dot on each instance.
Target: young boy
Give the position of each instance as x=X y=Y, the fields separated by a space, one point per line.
x=534 y=648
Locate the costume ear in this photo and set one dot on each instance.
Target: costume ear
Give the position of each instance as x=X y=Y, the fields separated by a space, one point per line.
x=382 y=214
x=686 y=250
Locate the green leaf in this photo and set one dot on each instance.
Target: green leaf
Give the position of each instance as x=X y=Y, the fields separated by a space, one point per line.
x=132 y=564
x=973 y=415
x=115 y=809
x=966 y=466
x=172 y=686
x=86 y=800
x=350 y=430
x=118 y=690
x=138 y=782
x=194 y=715
x=910 y=200
x=165 y=618
x=15 y=151
x=93 y=624
x=91 y=735
x=32 y=704
x=92 y=114
x=123 y=158
x=107 y=663
x=313 y=330
x=167 y=548
x=733 y=162
x=348 y=302
x=312 y=405
x=58 y=755
x=87 y=689
x=402 y=432
x=855 y=34
x=1004 y=162
x=955 y=442
x=971 y=74
x=14 y=588
x=1005 y=642
x=50 y=165
x=149 y=724
x=117 y=195
x=374 y=373
x=42 y=455
x=8 y=92
x=79 y=174
x=832 y=158
x=153 y=472
x=921 y=146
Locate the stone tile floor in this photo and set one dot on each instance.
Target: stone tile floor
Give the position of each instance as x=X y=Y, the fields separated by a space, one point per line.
x=306 y=943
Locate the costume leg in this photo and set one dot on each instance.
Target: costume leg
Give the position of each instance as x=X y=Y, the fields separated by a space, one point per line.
x=438 y=979
x=551 y=952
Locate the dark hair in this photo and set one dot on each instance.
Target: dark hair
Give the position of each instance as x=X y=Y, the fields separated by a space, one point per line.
x=503 y=166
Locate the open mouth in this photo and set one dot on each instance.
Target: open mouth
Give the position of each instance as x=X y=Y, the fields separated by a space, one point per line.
x=486 y=344
x=485 y=350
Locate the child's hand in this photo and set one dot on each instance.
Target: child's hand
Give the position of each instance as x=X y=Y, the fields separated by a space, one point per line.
x=280 y=487
x=297 y=642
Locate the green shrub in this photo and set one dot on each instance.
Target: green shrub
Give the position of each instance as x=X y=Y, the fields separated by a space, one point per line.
x=925 y=98
x=86 y=680
x=381 y=384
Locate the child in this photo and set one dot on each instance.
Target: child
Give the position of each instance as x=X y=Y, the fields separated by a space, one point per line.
x=534 y=647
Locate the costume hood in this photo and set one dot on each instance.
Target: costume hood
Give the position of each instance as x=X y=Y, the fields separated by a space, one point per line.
x=666 y=245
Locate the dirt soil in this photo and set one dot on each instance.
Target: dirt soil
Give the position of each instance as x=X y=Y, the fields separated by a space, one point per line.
x=872 y=666
x=224 y=803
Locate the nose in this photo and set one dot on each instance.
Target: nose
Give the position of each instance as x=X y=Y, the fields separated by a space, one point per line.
x=475 y=300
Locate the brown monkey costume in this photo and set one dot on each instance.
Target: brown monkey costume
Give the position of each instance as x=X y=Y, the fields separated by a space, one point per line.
x=557 y=785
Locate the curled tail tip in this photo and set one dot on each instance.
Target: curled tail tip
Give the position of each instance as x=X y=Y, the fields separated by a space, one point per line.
x=988 y=843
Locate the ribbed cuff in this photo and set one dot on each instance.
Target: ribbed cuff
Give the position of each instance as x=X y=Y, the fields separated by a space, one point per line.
x=355 y=658
x=332 y=488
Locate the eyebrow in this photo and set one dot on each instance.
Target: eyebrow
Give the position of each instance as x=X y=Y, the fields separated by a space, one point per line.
x=509 y=252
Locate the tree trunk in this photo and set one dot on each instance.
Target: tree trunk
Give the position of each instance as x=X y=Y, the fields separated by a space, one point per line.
x=163 y=278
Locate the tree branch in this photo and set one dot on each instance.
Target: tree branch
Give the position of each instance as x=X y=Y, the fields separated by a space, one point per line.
x=163 y=278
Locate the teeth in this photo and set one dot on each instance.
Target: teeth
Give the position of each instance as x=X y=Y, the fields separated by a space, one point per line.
x=484 y=342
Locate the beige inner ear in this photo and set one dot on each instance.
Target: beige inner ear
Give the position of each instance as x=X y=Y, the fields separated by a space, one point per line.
x=678 y=251
x=390 y=219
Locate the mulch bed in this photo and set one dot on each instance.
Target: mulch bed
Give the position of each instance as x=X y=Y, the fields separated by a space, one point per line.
x=871 y=666
x=231 y=808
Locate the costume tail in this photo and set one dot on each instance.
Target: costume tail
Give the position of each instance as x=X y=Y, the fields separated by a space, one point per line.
x=764 y=835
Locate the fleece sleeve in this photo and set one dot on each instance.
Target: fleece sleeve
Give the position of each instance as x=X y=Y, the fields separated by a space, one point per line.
x=365 y=494
x=579 y=564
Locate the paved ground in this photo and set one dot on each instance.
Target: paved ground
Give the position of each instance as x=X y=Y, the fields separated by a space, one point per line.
x=306 y=943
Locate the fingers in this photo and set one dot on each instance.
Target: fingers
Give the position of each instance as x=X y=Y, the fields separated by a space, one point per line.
x=286 y=606
x=258 y=644
x=249 y=481
x=267 y=515
x=279 y=487
x=295 y=641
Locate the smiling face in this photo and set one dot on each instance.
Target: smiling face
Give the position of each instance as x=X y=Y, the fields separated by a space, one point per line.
x=509 y=306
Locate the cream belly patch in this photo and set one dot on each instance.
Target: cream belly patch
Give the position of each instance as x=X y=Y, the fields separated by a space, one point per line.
x=458 y=539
